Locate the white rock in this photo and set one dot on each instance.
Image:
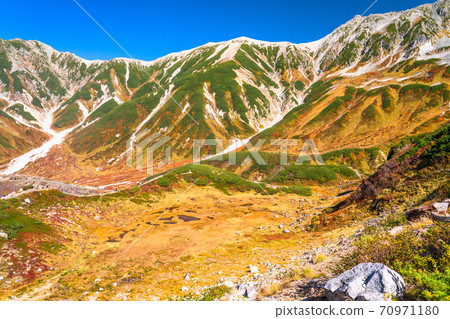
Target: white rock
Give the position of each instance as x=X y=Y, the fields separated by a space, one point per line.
x=250 y=293
x=441 y=207
x=286 y=231
x=184 y=288
x=228 y=283
x=253 y=269
x=366 y=282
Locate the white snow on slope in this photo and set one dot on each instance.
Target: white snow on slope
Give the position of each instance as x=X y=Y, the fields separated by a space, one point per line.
x=210 y=107
x=161 y=103
x=20 y=162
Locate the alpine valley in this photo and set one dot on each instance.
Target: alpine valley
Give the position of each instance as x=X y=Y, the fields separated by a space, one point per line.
x=374 y=96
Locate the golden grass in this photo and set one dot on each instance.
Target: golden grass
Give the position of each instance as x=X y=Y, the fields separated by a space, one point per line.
x=308 y=273
x=271 y=289
x=319 y=257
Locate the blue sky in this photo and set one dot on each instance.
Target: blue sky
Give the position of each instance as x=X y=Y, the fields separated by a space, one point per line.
x=151 y=29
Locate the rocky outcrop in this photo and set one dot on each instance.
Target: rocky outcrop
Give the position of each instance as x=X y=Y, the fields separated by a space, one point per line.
x=366 y=282
x=440 y=214
x=384 y=177
x=436 y=211
x=13 y=185
x=419 y=212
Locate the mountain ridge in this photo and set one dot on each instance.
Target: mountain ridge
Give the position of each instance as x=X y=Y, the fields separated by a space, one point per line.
x=233 y=89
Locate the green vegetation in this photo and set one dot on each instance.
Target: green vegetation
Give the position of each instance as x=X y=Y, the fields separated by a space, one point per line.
x=36 y=102
x=163 y=182
x=4 y=142
x=416 y=88
x=52 y=247
x=351 y=154
x=119 y=119
x=420 y=63
x=215 y=292
x=253 y=95
x=436 y=144
x=318 y=89
x=145 y=89
x=346 y=56
x=18 y=44
x=20 y=110
x=4 y=78
x=404 y=27
x=294 y=174
x=392 y=28
x=27 y=187
x=17 y=84
x=52 y=83
x=13 y=222
x=299 y=85
x=223 y=180
x=67 y=117
x=137 y=77
x=103 y=109
x=369 y=113
x=299 y=190
x=85 y=93
x=4 y=61
x=423 y=261
x=331 y=109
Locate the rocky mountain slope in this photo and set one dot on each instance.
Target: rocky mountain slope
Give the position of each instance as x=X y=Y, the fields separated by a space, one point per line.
x=372 y=80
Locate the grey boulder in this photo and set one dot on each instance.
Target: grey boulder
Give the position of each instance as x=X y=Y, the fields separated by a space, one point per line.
x=366 y=282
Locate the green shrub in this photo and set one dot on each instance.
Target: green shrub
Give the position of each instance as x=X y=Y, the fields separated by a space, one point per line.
x=202 y=181
x=20 y=110
x=67 y=117
x=13 y=228
x=299 y=190
x=52 y=247
x=433 y=286
x=4 y=61
x=4 y=204
x=436 y=144
x=214 y=293
x=424 y=261
x=135 y=190
x=163 y=182
x=317 y=173
x=27 y=187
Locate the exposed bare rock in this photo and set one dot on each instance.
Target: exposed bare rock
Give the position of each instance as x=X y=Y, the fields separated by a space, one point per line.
x=366 y=282
x=419 y=212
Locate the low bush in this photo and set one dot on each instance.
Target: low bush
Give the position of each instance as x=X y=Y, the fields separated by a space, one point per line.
x=317 y=173
x=423 y=261
x=214 y=293
x=163 y=182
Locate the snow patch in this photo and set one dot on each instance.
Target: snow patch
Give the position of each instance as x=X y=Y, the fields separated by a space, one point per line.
x=20 y=162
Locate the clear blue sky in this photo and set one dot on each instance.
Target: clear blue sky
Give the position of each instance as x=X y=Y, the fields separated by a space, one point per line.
x=151 y=29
